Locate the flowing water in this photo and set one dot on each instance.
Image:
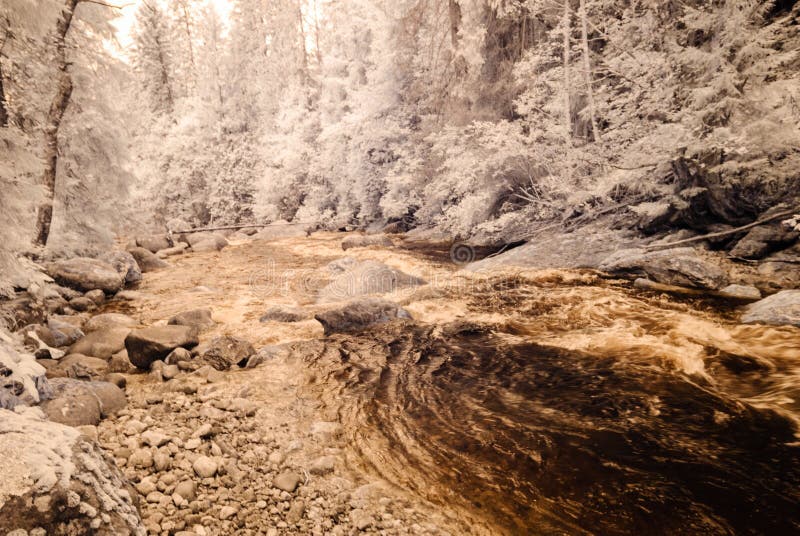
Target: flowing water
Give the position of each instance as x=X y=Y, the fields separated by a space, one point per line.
x=549 y=402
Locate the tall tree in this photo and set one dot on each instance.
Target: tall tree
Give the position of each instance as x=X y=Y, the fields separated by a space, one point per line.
x=58 y=106
x=154 y=57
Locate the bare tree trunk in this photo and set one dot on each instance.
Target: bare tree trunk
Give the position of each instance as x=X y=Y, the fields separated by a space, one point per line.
x=303 y=50
x=587 y=65
x=455 y=21
x=567 y=82
x=165 y=78
x=57 y=108
x=188 y=30
x=316 y=33
x=3 y=109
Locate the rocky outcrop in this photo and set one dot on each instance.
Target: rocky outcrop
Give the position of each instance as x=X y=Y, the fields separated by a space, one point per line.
x=779 y=309
x=83 y=273
x=224 y=352
x=155 y=343
x=125 y=264
x=82 y=403
x=147 y=260
x=360 y=314
x=362 y=241
x=678 y=266
x=57 y=481
x=364 y=278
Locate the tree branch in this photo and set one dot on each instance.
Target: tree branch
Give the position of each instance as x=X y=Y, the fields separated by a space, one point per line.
x=99 y=3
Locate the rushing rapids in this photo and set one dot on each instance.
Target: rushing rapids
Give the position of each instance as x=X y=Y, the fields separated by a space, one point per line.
x=549 y=402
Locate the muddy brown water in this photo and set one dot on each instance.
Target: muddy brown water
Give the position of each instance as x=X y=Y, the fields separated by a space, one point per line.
x=530 y=402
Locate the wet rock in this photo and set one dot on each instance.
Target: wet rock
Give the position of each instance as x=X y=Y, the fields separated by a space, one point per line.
x=284 y=313
x=77 y=403
x=360 y=314
x=205 y=467
x=286 y=481
x=224 y=352
x=779 y=309
x=155 y=343
x=82 y=304
x=361 y=241
x=154 y=243
x=147 y=261
x=60 y=482
x=199 y=318
x=109 y=321
x=368 y=277
x=102 y=343
x=84 y=274
x=679 y=266
x=740 y=292
x=125 y=265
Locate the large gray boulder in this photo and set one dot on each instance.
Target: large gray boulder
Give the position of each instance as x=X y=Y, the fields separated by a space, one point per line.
x=155 y=343
x=362 y=241
x=58 y=481
x=364 y=278
x=102 y=343
x=224 y=352
x=682 y=267
x=79 y=366
x=779 y=309
x=84 y=274
x=125 y=264
x=82 y=403
x=147 y=260
x=360 y=314
x=109 y=321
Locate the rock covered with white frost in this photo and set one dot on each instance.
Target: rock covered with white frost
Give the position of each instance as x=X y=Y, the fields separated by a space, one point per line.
x=52 y=478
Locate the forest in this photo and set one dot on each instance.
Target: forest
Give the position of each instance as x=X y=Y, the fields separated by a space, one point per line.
x=399 y=266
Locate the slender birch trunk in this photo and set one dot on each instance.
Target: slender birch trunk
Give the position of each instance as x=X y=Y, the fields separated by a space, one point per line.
x=587 y=65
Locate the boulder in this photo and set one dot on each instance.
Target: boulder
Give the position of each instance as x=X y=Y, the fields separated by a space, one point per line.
x=208 y=245
x=79 y=366
x=779 y=275
x=178 y=355
x=177 y=249
x=55 y=338
x=155 y=343
x=59 y=481
x=367 y=277
x=280 y=230
x=97 y=296
x=125 y=264
x=154 y=243
x=360 y=314
x=224 y=352
x=198 y=318
x=284 y=313
x=342 y=265
x=78 y=403
x=84 y=274
x=361 y=241
x=82 y=304
x=194 y=239
x=119 y=362
x=109 y=321
x=741 y=292
x=102 y=343
x=147 y=261
x=779 y=309
x=682 y=267
x=763 y=240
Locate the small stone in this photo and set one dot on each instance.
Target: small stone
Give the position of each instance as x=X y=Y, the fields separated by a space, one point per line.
x=187 y=489
x=322 y=465
x=204 y=431
x=178 y=355
x=193 y=443
x=169 y=372
x=141 y=458
x=227 y=512
x=146 y=486
x=162 y=461
x=296 y=512
x=205 y=467
x=277 y=457
x=154 y=439
x=286 y=481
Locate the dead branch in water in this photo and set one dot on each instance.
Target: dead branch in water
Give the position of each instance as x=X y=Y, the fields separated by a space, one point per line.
x=229 y=227
x=728 y=232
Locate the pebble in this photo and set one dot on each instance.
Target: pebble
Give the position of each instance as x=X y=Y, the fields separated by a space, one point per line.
x=186 y=489
x=322 y=465
x=286 y=481
x=154 y=439
x=141 y=458
x=205 y=467
x=296 y=512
